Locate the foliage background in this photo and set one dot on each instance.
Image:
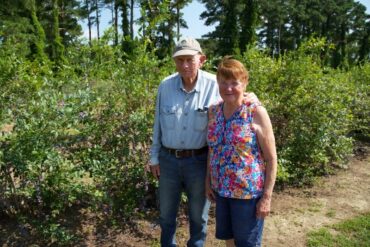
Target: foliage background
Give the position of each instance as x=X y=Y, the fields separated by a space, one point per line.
x=76 y=119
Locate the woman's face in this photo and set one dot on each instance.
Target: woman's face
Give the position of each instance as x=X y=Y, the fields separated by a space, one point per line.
x=231 y=90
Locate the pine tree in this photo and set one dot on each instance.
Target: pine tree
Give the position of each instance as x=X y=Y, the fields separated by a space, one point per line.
x=57 y=46
x=39 y=32
x=248 y=22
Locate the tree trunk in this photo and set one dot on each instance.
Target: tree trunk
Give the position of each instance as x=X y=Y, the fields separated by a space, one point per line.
x=57 y=46
x=178 y=21
x=40 y=34
x=89 y=24
x=115 y=23
x=97 y=19
x=132 y=19
x=343 y=45
x=125 y=24
x=248 y=23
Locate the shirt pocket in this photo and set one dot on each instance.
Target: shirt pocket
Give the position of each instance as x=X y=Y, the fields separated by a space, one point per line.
x=201 y=120
x=168 y=116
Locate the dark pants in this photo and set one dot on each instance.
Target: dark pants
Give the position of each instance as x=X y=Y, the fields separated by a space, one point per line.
x=236 y=218
x=176 y=175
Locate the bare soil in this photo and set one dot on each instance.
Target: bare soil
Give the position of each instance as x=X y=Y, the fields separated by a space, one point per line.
x=295 y=212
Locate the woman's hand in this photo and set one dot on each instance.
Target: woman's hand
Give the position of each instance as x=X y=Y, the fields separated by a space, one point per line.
x=263 y=207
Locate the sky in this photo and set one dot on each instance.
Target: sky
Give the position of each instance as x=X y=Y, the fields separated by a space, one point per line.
x=191 y=15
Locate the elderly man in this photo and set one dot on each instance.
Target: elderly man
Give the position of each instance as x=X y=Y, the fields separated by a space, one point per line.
x=179 y=150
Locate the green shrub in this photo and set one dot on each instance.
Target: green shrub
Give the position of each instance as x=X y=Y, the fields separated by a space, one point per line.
x=359 y=78
x=308 y=106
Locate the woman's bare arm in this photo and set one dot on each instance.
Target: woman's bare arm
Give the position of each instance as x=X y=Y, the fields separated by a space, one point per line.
x=266 y=140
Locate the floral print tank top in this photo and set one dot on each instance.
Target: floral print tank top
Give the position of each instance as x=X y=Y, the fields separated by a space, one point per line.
x=236 y=164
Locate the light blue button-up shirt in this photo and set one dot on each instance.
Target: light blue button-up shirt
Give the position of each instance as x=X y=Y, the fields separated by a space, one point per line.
x=181 y=117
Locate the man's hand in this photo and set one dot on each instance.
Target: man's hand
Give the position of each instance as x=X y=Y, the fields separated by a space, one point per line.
x=210 y=194
x=154 y=169
x=250 y=97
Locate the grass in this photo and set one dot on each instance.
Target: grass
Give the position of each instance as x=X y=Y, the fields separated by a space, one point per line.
x=350 y=233
x=331 y=213
x=315 y=207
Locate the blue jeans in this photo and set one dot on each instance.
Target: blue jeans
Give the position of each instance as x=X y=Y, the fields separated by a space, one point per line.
x=176 y=175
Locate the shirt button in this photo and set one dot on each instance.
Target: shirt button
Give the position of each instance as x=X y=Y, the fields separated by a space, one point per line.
x=182 y=142
x=184 y=127
x=185 y=113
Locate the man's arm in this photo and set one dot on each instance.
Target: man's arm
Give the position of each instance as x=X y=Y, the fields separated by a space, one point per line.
x=153 y=163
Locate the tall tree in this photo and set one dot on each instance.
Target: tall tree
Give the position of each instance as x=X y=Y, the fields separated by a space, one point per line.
x=359 y=42
x=229 y=41
x=364 y=50
x=57 y=46
x=173 y=19
x=216 y=13
x=97 y=17
x=274 y=15
x=88 y=5
x=286 y=24
x=88 y=12
x=113 y=5
x=235 y=21
x=126 y=10
x=39 y=31
x=176 y=8
x=124 y=17
x=339 y=32
x=158 y=21
x=29 y=19
x=115 y=21
x=132 y=2
x=16 y=29
x=70 y=11
x=248 y=21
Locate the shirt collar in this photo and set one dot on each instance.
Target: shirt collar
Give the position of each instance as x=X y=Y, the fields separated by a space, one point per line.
x=197 y=84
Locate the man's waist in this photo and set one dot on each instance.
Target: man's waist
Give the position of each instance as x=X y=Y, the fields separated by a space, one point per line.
x=185 y=153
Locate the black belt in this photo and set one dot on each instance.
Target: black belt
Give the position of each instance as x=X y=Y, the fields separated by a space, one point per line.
x=185 y=153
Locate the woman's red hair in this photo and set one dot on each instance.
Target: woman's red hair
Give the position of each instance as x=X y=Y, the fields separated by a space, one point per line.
x=230 y=68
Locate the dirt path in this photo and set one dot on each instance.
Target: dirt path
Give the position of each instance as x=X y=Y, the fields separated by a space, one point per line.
x=333 y=199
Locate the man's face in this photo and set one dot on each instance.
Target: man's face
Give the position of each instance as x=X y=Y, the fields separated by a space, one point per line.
x=188 y=65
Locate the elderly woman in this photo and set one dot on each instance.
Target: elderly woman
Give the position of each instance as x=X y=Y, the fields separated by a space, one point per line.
x=242 y=159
